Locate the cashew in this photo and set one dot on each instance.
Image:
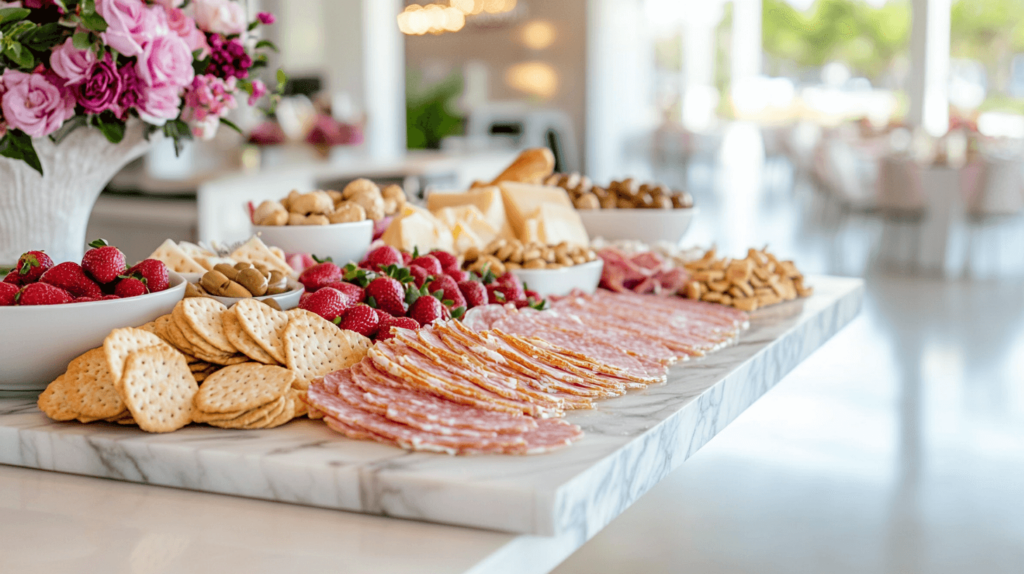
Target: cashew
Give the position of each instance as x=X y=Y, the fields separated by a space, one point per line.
x=371 y=202
x=313 y=203
x=588 y=201
x=494 y=246
x=471 y=255
x=537 y=263
x=348 y=212
x=292 y=196
x=270 y=213
x=296 y=219
x=361 y=185
x=317 y=220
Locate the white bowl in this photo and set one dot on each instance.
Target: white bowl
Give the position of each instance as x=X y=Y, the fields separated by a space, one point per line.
x=40 y=341
x=287 y=300
x=546 y=282
x=342 y=242
x=647 y=225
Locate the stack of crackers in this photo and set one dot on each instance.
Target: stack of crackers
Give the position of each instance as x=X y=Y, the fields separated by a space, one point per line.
x=185 y=257
x=254 y=363
x=747 y=284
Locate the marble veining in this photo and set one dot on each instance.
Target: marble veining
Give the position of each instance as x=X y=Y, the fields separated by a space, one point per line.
x=631 y=443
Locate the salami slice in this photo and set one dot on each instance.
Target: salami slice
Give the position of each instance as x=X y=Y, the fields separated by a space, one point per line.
x=550 y=435
x=354 y=432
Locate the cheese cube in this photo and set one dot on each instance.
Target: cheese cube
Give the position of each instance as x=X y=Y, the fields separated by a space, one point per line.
x=417 y=228
x=522 y=201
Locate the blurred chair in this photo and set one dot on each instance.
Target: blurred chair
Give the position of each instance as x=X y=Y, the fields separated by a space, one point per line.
x=222 y=203
x=901 y=203
x=996 y=199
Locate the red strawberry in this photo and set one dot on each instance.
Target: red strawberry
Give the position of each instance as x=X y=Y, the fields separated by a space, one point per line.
x=428 y=262
x=130 y=287
x=511 y=288
x=353 y=292
x=532 y=296
x=447 y=260
x=320 y=275
x=7 y=293
x=451 y=291
x=104 y=262
x=384 y=331
x=383 y=315
x=70 y=277
x=389 y=295
x=30 y=267
x=110 y=297
x=457 y=274
x=419 y=274
x=406 y=258
x=382 y=257
x=495 y=297
x=427 y=309
x=474 y=292
x=327 y=302
x=362 y=319
x=42 y=294
x=86 y=300
x=303 y=297
x=507 y=279
x=154 y=272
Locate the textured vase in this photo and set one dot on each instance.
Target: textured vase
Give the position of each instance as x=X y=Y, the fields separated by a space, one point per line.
x=51 y=211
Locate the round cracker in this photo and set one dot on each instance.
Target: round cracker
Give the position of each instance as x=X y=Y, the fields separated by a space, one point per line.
x=158 y=389
x=122 y=342
x=242 y=341
x=91 y=388
x=255 y=416
x=315 y=346
x=206 y=317
x=243 y=387
x=264 y=325
x=53 y=401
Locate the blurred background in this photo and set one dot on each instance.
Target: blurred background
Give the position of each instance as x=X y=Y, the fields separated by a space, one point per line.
x=865 y=138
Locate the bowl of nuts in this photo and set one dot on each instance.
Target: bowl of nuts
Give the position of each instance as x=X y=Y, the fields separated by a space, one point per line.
x=230 y=283
x=335 y=224
x=628 y=209
x=546 y=269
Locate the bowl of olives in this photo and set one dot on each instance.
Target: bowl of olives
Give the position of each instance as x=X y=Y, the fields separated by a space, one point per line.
x=230 y=283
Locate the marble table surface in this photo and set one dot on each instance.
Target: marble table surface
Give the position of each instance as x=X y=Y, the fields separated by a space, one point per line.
x=559 y=500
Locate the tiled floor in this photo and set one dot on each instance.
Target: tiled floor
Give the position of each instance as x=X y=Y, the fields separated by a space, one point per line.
x=898 y=447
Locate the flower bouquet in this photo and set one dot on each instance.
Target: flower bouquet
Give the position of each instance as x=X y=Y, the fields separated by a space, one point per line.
x=177 y=65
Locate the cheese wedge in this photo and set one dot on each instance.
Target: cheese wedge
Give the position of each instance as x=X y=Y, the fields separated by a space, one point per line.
x=416 y=228
x=255 y=251
x=176 y=259
x=552 y=224
x=468 y=218
x=522 y=201
x=488 y=200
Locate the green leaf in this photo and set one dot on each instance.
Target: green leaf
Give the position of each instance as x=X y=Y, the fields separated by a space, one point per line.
x=179 y=132
x=253 y=25
x=371 y=302
x=90 y=19
x=81 y=40
x=112 y=128
x=282 y=79
x=231 y=125
x=99 y=243
x=447 y=302
x=266 y=44
x=20 y=55
x=8 y=15
x=438 y=294
x=499 y=296
x=44 y=37
x=458 y=312
x=18 y=145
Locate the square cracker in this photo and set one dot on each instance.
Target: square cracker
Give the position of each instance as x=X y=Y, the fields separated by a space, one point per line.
x=243 y=387
x=264 y=325
x=122 y=342
x=206 y=317
x=315 y=346
x=255 y=251
x=242 y=341
x=158 y=389
x=53 y=401
x=176 y=259
x=91 y=389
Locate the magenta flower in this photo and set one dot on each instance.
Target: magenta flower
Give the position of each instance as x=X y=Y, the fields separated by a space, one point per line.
x=166 y=61
x=37 y=104
x=266 y=18
x=228 y=58
x=101 y=91
x=259 y=89
x=70 y=63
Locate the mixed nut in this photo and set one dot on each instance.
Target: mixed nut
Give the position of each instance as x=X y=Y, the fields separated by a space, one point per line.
x=241 y=280
x=360 y=200
x=624 y=194
x=502 y=255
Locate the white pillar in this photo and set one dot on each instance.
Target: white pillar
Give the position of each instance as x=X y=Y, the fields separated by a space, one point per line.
x=929 y=71
x=746 y=40
x=366 y=60
x=700 y=97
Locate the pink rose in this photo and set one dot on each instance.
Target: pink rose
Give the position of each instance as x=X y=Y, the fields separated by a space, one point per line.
x=101 y=91
x=159 y=104
x=259 y=89
x=34 y=103
x=166 y=61
x=130 y=24
x=266 y=18
x=70 y=63
x=220 y=16
x=169 y=3
x=185 y=27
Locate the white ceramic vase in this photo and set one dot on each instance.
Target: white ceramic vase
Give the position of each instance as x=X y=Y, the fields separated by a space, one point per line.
x=51 y=211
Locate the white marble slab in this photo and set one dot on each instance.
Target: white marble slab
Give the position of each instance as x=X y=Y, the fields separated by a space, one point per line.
x=631 y=443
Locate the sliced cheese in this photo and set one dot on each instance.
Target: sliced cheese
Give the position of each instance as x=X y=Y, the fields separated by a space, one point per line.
x=176 y=259
x=255 y=251
x=558 y=223
x=469 y=218
x=522 y=200
x=488 y=200
x=464 y=238
x=417 y=228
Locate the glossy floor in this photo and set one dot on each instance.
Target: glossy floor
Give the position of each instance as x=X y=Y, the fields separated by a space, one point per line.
x=898 y=447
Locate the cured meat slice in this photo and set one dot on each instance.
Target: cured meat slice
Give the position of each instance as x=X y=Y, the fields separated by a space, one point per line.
x=483 y=317
x=436 y=410
x=550 y=435
x=354 y=432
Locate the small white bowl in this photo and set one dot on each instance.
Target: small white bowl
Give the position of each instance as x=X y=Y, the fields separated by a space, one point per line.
x=342 y=242
x=647 y=225
x=584 y=277
x=42 y=340
x=287 y=300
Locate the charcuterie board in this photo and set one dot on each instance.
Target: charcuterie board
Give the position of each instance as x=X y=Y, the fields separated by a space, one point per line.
x=631 y=443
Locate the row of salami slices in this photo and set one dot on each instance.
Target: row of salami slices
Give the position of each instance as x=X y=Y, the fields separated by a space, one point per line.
x=499 y=382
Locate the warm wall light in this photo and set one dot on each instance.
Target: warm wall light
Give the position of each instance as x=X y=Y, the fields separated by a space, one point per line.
x=537 y=78
x=435 y=18
x=538 y=34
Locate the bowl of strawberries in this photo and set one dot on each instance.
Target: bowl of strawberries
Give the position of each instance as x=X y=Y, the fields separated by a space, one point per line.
x=57 y=311
x=394 y=289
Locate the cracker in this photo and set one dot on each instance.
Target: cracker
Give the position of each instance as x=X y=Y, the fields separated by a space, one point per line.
x=264 y=325
x=176 y=259
x=91 y=389
x=206 y=317
x=301 y=408
x=242 y=341
x=243 y=387
x=255 y=251
x=122 y=342
x=315 y=346
x=197 y=341
x=158 y=389
x=177 y=339
x=160 y=326
x=286 y=415
x=53 y=401
x=253 y=417
x=126 y=421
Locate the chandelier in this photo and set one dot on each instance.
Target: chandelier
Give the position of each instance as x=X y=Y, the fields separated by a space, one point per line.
x=438 y=18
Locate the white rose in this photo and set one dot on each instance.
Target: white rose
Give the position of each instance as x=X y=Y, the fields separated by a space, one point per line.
x=220 y=16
